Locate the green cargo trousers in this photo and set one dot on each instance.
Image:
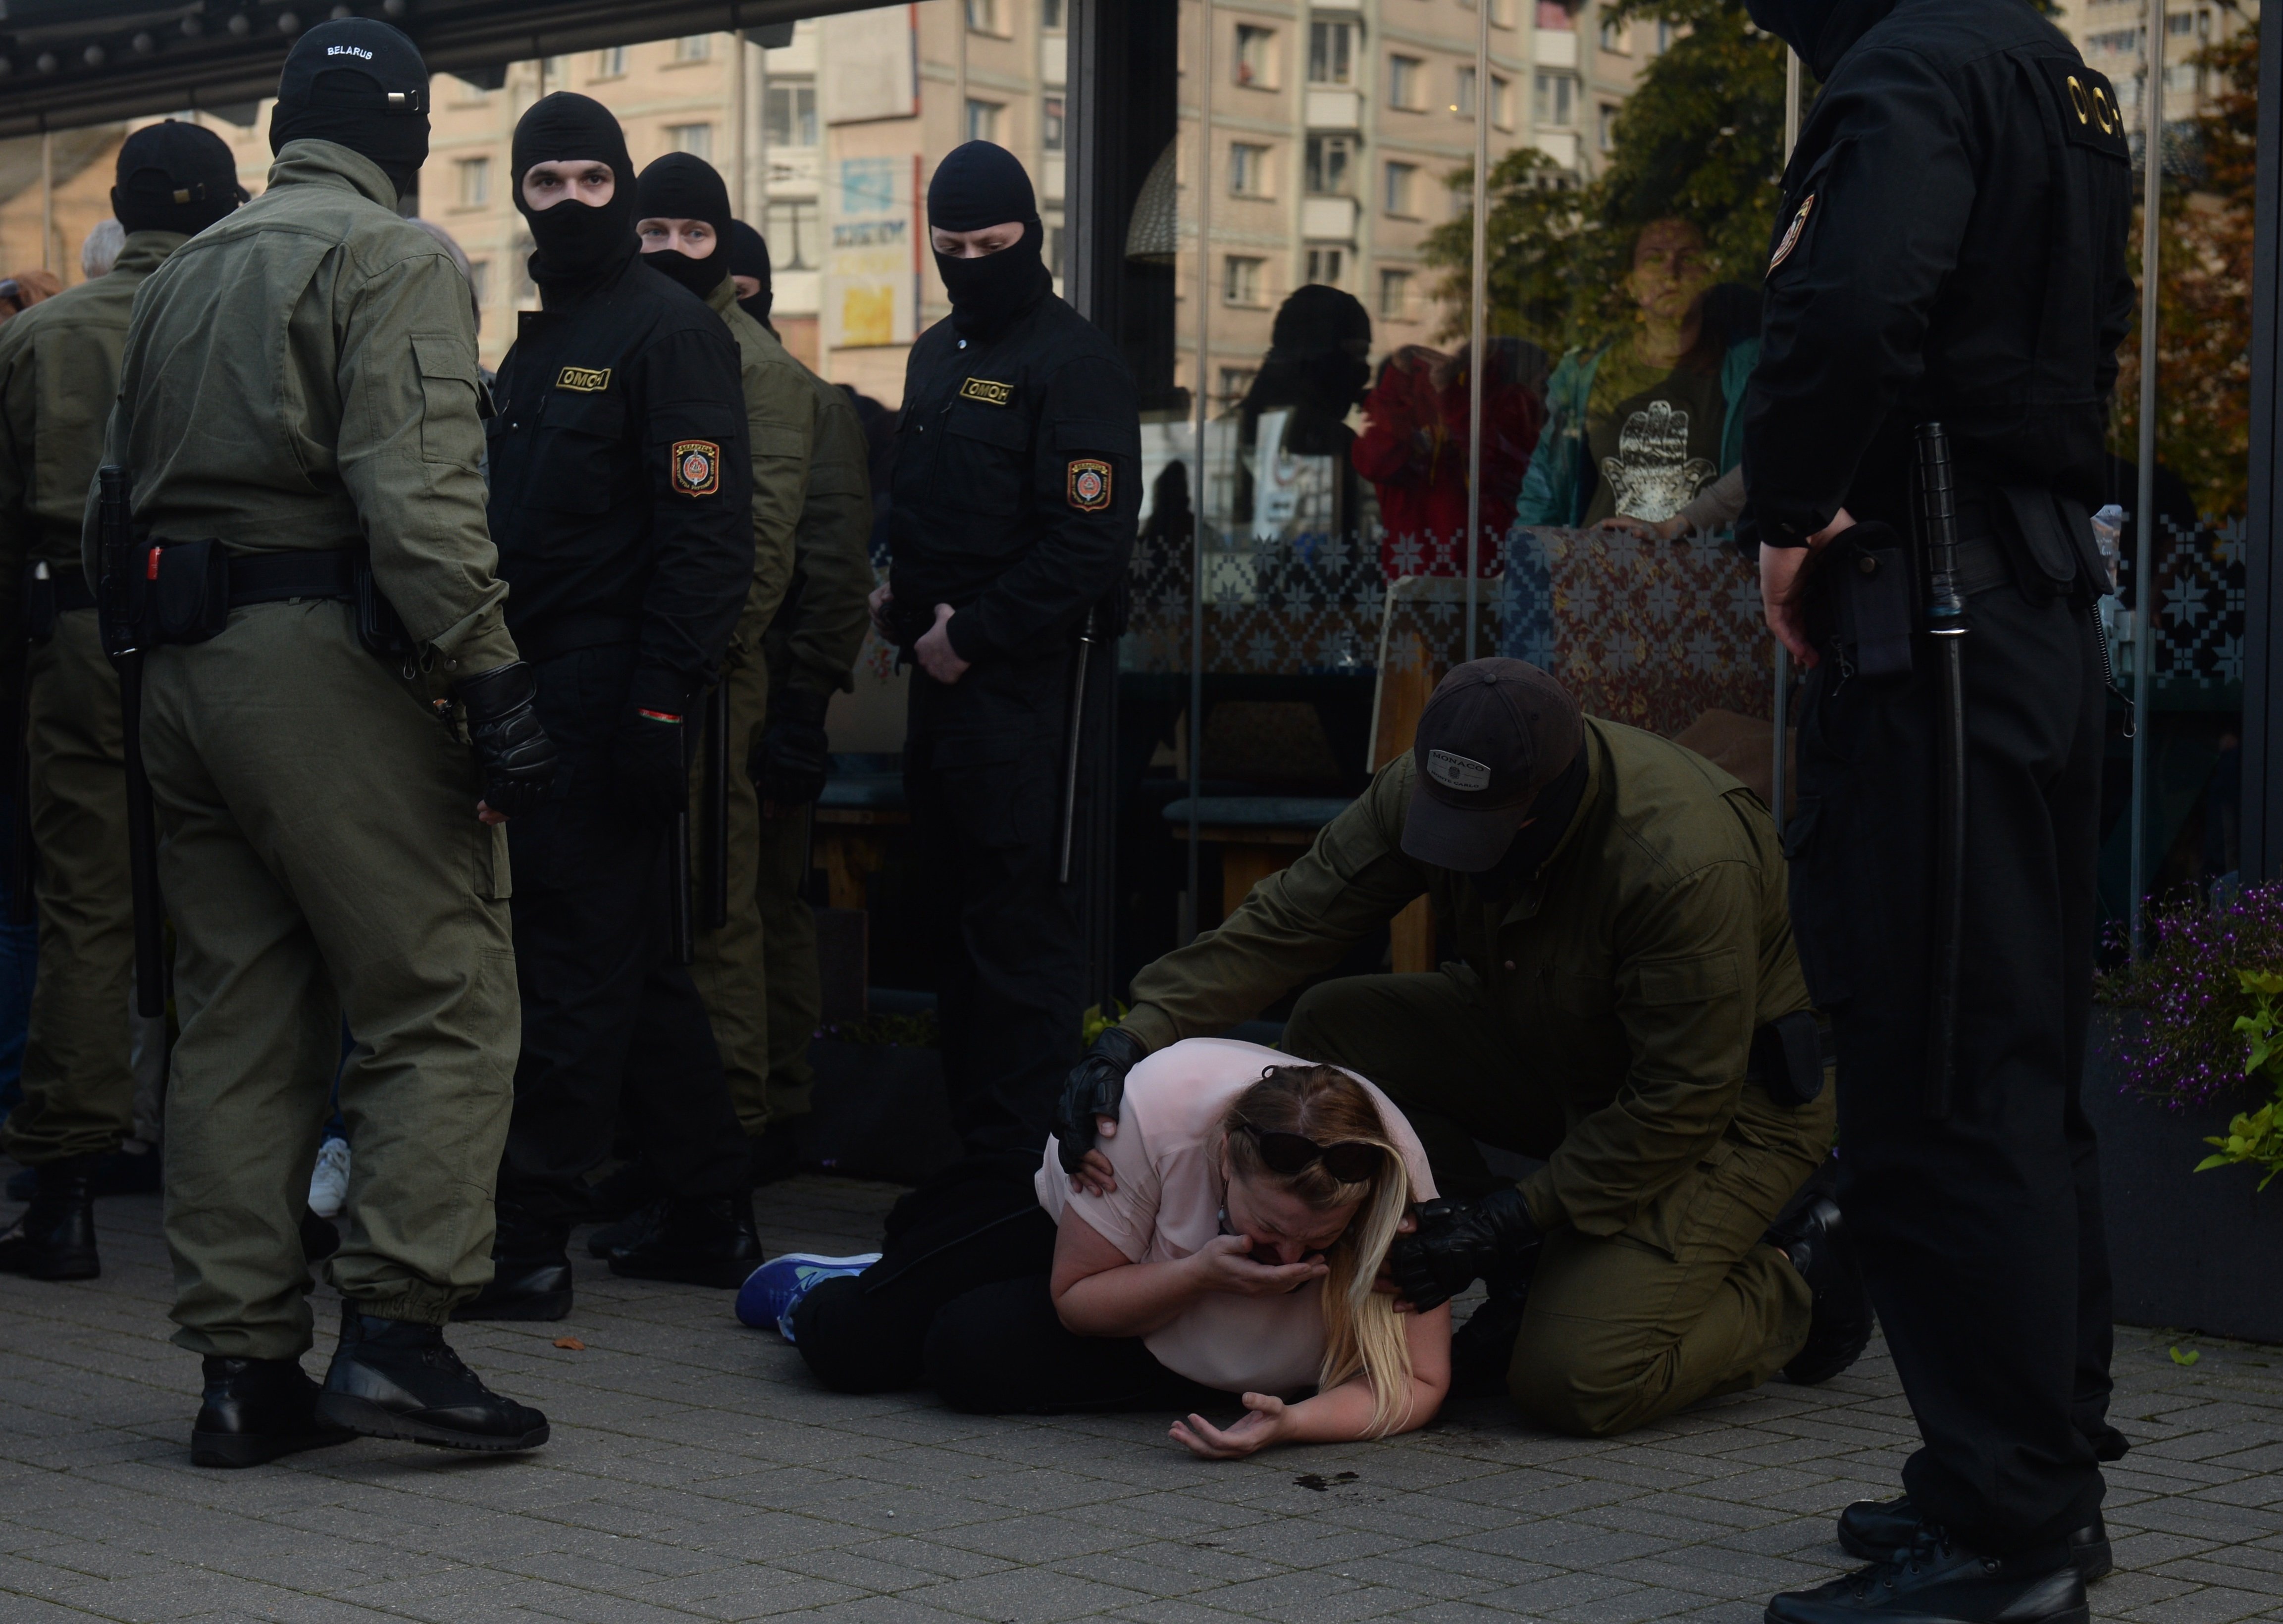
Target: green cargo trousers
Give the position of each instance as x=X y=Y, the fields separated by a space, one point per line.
x=729 y=964
x=321 y=857
x=1684 y=1303
x=79 y=1086
x=796 y=1002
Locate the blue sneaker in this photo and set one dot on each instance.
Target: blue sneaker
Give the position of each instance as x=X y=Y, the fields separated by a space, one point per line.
x=772 y=1291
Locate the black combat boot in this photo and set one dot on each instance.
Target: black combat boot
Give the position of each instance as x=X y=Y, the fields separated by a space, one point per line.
x=699 y=1243
x=1881 y=1530
x=394 y=1379
x=53 y=1238
x=256 y=1409
x=531 y=1272
x=1839 y=1325
x=638 y=1228
x=1937 y=1581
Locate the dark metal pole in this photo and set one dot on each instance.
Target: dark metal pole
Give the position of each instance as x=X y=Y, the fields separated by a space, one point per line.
x=1946 y=621
x=2262 y=670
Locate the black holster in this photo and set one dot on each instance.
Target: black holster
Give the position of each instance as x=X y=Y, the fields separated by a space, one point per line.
x=1874 y=595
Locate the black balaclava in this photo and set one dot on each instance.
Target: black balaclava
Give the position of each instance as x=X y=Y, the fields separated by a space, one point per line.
x=748 y=256
x=360 y=84
x=174 y=177
x=576 y=242
x=1822 y=31
x=980 y=185
x=684 y=186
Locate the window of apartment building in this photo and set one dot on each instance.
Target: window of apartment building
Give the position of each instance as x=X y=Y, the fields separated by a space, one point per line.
x=475 y=182
x=987 y=16
x=1055 y=237
x=790 y=225
x=1407 y=81
x=1236 y=383
x=1332 y=53
x=1331 y=159
x=1051 y=123
x=1245 y=280
x=1255 y=56
x=693 y=48
x=1400 y=193
x=1607 y=121
x=1395 y=296
x=788 y=114
x=1501 y=102
x=1616 y=35
x=1551 y=102
x=1665 y=36
x=2180 y=22
x=610 y=63
x=983 y=120
x=1463 y=94
x=695 y=139
x=1327 y=265
x=479 y=280
x=1248 y=170
x=1050 y=15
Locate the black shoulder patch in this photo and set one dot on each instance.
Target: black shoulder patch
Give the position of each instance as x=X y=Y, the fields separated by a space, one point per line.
x=2090 y=116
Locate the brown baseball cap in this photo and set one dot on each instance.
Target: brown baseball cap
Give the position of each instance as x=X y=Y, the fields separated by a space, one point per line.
x=1494 y=733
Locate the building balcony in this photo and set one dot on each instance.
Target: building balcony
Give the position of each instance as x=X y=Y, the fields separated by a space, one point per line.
x=1329 y=220
x=1334 y=109
x=1555 y=48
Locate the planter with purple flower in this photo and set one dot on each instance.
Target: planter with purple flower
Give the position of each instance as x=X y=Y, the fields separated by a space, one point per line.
x=2184 y=1083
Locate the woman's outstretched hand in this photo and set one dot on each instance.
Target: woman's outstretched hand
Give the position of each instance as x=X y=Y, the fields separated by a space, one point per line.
x=1262 y=1424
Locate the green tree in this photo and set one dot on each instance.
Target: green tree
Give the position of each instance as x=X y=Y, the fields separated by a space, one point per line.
x=1701 y=137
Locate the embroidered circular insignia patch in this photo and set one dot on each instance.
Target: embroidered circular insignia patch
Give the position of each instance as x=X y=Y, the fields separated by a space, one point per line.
x=1089 y=484
x=696 y=467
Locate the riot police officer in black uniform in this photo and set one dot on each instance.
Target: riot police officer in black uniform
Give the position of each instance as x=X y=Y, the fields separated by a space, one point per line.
x=621 y=501
x=1950 y=250
x=1016 y=488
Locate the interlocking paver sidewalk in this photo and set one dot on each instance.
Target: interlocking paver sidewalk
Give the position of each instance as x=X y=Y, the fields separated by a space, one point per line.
x=695 y=1474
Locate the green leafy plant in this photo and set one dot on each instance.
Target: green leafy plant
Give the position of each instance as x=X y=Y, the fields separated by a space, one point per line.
x=2255 y=1137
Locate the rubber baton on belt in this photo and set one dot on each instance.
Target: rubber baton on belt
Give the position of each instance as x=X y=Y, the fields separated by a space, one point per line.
x=1077 y=737
x=115 y=549
x=1946 y=623
x=23 y=864
x=682 y=938
x=714 y=909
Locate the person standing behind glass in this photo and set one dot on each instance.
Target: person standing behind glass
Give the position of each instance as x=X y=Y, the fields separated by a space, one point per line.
x=1017 y=488
x=621 y=498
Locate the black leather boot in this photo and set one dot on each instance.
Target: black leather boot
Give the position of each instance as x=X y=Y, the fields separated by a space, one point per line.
x=1939 y=1581
x=256 y=1409
x=699 y=1243
x=53 y=1238
x=1881 y=1530
x=393 y=1378
x=637 y=1228
x=1840 y=1324
x=535 y=1285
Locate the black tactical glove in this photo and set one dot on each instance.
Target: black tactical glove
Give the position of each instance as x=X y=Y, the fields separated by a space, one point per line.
x=1460 y=1242
x=648 y=763
x=1092 y=1089
x=516 y=755
x=791 y=756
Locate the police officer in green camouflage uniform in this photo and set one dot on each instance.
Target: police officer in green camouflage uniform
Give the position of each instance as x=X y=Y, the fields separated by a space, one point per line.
x=1625 y=1005
x=685 y=222
x=58 y=372
x=299 y=385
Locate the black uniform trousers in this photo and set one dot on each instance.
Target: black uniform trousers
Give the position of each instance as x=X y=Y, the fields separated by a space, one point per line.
x=602 y=1007
x=983 y=765
x=1981 y=1233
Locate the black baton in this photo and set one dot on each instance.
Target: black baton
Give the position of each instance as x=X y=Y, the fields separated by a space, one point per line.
x=1946 y=622
x=23 y=866
x=1077 y=736
x=715 y=911
x=114 y=545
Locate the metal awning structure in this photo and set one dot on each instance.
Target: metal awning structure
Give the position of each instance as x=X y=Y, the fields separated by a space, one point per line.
x=65 y=63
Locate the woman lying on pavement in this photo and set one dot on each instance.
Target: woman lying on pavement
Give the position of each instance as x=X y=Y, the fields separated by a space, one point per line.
x=1225 y=1241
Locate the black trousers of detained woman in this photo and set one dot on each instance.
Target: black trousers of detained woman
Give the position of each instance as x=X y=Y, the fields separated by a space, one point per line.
x=959 y=1303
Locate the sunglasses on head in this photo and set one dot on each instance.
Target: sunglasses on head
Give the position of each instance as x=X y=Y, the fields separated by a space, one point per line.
x=1351 y=1161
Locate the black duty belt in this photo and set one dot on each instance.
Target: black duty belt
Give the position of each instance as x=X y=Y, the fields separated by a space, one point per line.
x=1981 y=565
x=272 y=577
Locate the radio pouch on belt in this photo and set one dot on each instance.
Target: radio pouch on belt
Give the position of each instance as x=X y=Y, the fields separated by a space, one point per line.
x=379 y=628
x=189 y=591
x=1787 y=1059
x=1875 y=601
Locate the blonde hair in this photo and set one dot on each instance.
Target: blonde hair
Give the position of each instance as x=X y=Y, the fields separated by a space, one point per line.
x=1361 y=1329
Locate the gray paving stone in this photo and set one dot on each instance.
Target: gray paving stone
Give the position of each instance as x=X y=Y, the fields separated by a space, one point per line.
x=697 y=1473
